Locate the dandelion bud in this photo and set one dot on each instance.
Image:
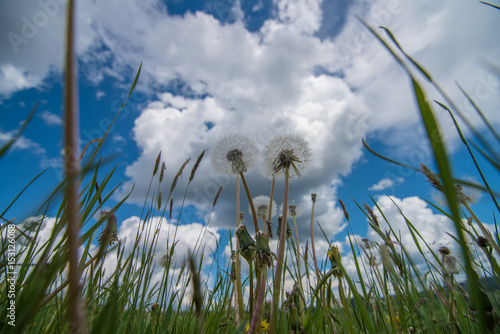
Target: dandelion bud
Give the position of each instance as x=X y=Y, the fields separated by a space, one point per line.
x=482 y=242
x=288 y=229
x=334 y=255
x=247 y=244
x=444 y=251
x=313 y=198
x=233 y=266
x=269 y=229
x=263 y=253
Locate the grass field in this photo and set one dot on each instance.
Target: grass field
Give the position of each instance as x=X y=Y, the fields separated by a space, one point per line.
x=61 y=286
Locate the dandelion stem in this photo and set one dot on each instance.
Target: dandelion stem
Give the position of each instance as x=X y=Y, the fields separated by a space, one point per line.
x=250 y=297
x=298 y=270
x=257 y=314
x=240 y=314
x=279 y=261
x=250 y=201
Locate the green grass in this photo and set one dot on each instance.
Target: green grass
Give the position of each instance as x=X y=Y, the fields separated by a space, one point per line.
x=387 y=293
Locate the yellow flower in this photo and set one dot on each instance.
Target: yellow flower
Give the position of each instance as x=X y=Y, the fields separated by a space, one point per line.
x=334 y=250
x=264 y=327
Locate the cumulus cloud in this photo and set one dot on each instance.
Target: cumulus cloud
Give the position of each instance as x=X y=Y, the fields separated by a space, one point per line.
x=21 y=143
x=51 y=118
x=385 y=184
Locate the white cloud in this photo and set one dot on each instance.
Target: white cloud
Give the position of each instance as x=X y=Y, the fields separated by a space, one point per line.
x=13 y=79
x=385 y=183
x=21 y=143
x=50 y=118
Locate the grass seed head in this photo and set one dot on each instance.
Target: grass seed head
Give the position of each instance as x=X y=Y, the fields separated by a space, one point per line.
x=157 y=163
x=162 y=171
x=346 y=215
x=196 y=164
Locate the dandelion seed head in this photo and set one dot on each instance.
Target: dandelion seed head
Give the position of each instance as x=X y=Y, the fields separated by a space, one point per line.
x=261 y=204
x=286 y=152
x=444 y=250
x=450 y=265
x=234 y=154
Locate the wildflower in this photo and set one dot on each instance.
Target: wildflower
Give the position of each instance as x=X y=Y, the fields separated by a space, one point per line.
x=261 y=204
x=247 y=244
x=264 y=327
x=286 y=152
x=334 y=255
x=234 y=154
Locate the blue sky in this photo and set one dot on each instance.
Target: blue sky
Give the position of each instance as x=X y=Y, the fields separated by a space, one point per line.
x=260 y=68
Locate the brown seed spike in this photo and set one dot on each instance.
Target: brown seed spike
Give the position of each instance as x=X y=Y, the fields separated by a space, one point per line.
x=217 y=196
x=157 y=163
x=179 y=173
x=196 y=164
x=344 y=209
x=372 y=215
x=171 y=208
x=159 y=201
x=162 y=170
